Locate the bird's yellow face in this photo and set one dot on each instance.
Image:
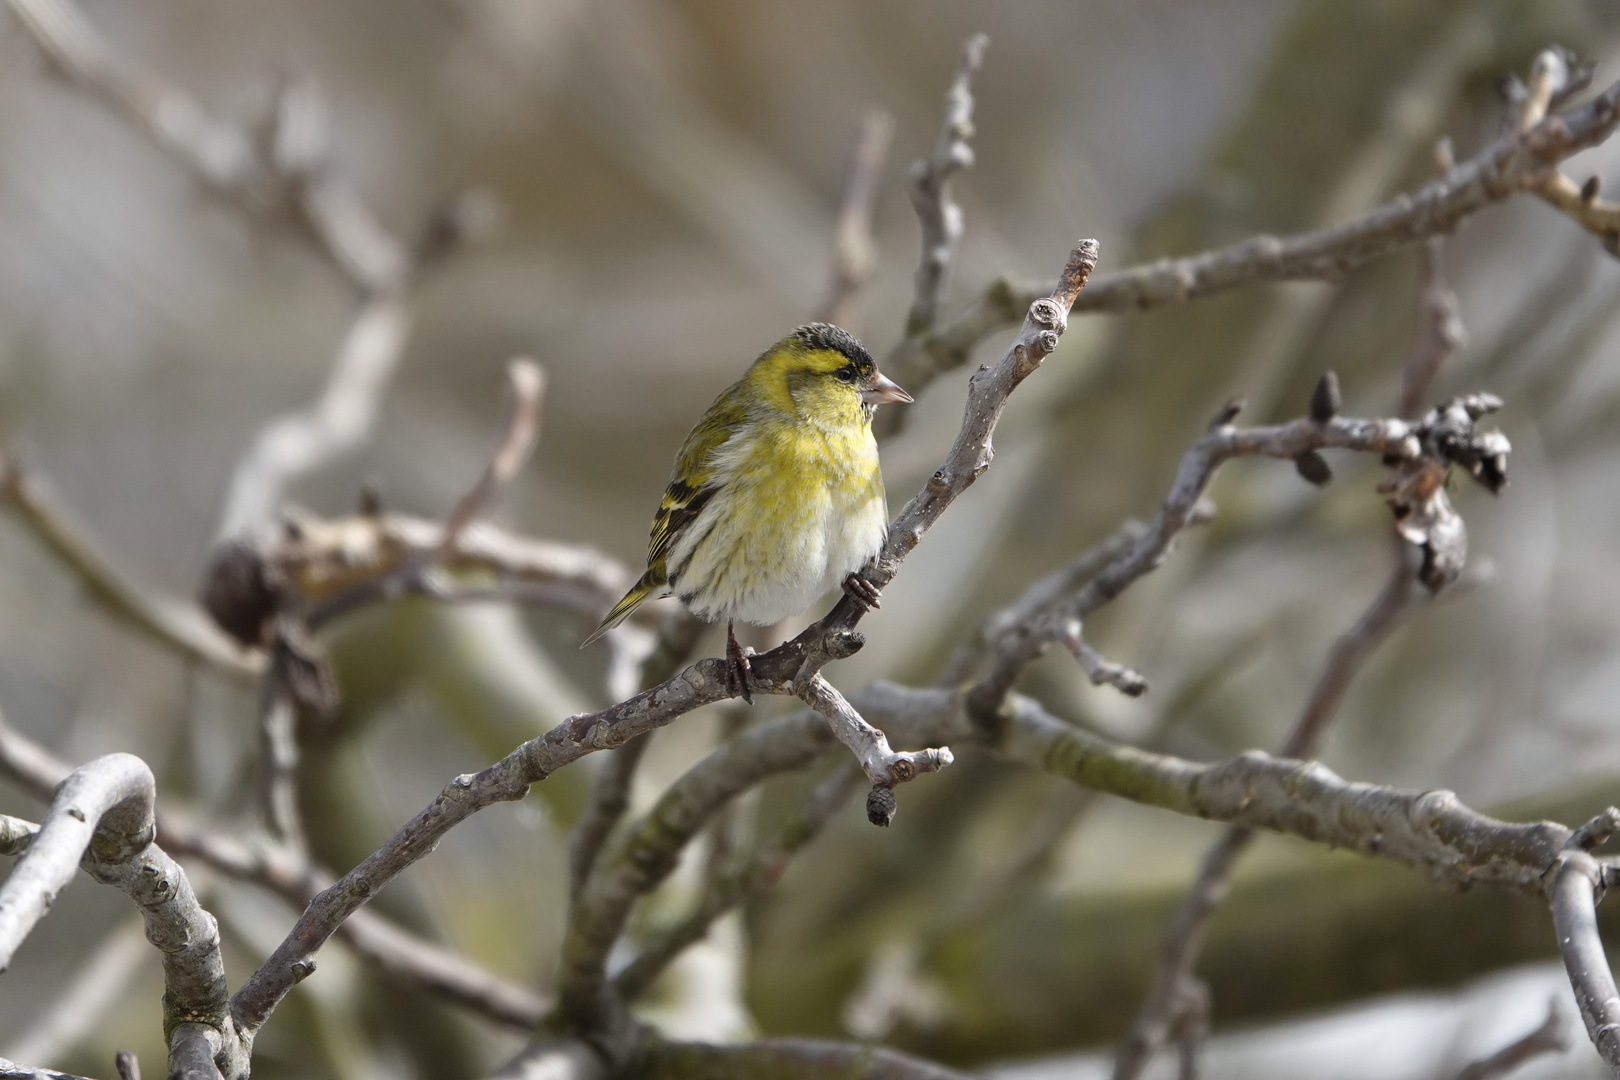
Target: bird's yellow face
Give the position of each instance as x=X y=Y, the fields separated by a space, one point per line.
x=822 y=375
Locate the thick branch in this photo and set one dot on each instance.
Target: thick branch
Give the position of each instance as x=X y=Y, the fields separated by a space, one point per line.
x=109 y=800
x=1572 y=891
x=102 y=818
x=1427 y=830
x=394 y=950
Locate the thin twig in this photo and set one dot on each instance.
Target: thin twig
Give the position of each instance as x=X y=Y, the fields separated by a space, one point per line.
x=854 y=252
x=937 y=212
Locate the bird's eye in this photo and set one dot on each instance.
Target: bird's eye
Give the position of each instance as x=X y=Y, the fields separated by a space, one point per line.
x=845 y=374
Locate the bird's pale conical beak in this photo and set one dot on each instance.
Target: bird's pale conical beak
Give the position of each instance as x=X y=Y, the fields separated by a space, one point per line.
x=883 y=391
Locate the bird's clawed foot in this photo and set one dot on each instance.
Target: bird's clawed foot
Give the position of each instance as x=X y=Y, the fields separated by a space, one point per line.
x=863 y=592
x=737 y=669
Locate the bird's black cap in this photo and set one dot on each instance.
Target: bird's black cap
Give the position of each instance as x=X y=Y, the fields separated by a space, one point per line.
x=822 y=335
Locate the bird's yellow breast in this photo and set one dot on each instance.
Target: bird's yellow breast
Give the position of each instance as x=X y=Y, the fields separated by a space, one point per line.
x=799 y=507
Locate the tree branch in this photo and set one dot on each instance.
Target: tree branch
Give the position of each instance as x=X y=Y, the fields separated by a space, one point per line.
x=102 y=818
x=1575 y=881
x=937 y=212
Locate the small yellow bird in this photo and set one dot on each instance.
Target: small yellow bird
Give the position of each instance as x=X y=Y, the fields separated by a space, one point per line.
x=776 y=495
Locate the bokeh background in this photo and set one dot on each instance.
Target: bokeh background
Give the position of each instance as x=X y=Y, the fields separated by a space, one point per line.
x=668 y=174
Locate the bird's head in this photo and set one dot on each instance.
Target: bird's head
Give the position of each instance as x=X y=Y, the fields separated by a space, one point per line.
x=820 y=372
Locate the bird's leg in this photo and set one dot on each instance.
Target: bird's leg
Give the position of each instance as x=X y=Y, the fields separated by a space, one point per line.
x=737 y=672
x=863 y=592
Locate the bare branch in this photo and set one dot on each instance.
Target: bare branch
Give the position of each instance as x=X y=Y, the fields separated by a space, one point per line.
x=110 y=799
x=1427 y=830
x=525 y=383
x=937 y=212
x=779 y=671
x=1517 y=162
x=129 y=1067
x=287 y=179
x=854 y=254
x=173 y=623
x=192 y=1053
x=1551 y=1037
x=392 y=949
x=883 y=766
x=1099 y=669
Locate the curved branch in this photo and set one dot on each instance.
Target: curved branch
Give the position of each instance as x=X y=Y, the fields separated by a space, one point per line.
x=102 y=819
x=109 y=801
x=1576 y=880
